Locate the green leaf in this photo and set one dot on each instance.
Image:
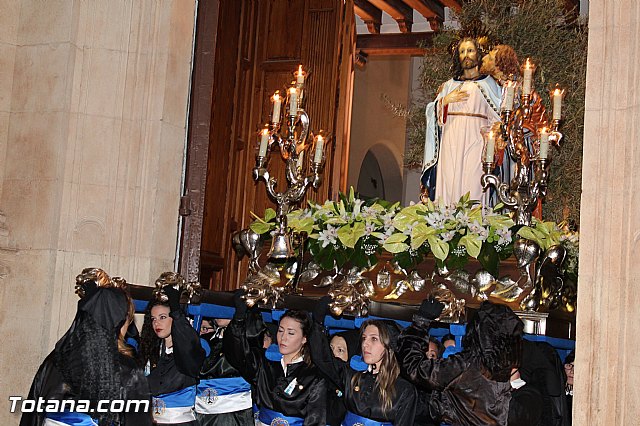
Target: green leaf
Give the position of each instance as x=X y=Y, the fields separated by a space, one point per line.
x=420 y=233
x=439 y=248
x=473 y=243
x=533 y=235
x=269 y=214
x=300 y=225
x=395 y=243
x=349 y=235
x=260 y=227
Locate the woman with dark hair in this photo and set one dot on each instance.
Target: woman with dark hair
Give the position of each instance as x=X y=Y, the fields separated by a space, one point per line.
x=471 y=387
x=344 y=345
x=92 y=362
x=291 y=390
x=173 y=355
x=377 y=396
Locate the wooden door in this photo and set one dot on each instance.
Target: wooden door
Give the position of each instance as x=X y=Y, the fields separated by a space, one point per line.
x=258 y=46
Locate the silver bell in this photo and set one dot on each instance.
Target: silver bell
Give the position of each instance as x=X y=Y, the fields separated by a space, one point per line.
x=281 y=247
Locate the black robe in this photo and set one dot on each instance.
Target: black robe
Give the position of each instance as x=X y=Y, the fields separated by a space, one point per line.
x=365 y=399
x=461 y=394
x=216 y=366
x=307 y=400
x=181 y=368
x=102 y=312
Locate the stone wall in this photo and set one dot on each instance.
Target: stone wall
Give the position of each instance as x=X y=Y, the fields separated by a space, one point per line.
x=93 y=106
x=607 y=362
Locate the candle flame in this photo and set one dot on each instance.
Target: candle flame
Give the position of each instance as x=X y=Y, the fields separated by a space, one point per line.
x=276 y=96
x=557 y=92
x=527 y=65
x=293 y=90
x=265 y=131
x=300 y=69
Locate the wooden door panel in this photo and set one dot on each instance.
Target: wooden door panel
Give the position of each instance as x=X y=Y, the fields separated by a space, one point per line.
x=260 y=44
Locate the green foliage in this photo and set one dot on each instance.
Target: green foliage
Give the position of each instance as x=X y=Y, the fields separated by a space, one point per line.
x=545 y=32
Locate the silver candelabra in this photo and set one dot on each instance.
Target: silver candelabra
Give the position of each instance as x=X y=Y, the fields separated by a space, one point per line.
x=292 y=144
x=526 y=135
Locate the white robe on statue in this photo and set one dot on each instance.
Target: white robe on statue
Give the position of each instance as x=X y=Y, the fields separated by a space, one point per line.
x=453 y=138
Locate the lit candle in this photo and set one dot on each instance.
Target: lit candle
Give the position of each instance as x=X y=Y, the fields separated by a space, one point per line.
x=277 y=103
x=293 y=101
x=300 y=75
x=491 y=142
x=317 y=158
x=264 y=143
x=510 y=89
x=528 y=78
x=544 y=143
x=300 y=159
x=557 y=104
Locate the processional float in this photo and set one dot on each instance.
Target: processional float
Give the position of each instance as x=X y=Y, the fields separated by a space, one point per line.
x=524 y=133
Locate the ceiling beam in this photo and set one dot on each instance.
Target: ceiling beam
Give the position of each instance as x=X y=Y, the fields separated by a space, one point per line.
x=427 y=8
x=395 y=44
x=453 y=4
x=371 y=15
x=399 y=11
x=432 y=10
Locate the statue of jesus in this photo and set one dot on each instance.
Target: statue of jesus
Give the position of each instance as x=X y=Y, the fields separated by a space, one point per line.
x=452 y=164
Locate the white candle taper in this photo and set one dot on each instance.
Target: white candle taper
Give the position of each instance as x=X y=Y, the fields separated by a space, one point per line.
x=510 y=89
x=277 y=104
x=300 y=75
x=527 y=78
x=317 y=158
x=557 y=104
x=264 y=143
x=544 y=143
x=491 y=142
x=293 y=101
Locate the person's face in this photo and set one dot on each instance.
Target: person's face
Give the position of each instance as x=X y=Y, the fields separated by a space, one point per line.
x=568 y=368
x=372 y=347
x=448 y=343
x=266 y=341
x=290 y=337
x=161 y=321
x=468 y=55
x=489 y=62
x=205 y=327
x=432 y=351
x=339 y=348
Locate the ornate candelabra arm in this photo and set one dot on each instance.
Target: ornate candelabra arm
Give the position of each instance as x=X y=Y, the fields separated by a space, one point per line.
x=292 y=175
x=506 y=120
x=526 y=106
x=542 y=174
x=316 y=174
x=502 y=189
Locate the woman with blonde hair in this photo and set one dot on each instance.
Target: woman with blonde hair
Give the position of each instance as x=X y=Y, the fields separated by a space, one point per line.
x=377 y=396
